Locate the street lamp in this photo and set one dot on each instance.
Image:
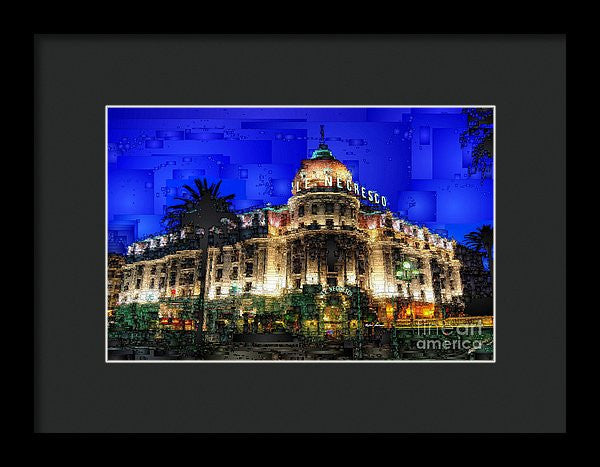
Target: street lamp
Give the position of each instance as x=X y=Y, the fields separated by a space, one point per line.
x=406 y=272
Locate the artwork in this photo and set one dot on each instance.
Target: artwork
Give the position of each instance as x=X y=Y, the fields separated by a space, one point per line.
x=300 y=234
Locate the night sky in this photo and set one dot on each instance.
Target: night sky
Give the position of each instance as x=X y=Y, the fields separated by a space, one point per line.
x=413 y=156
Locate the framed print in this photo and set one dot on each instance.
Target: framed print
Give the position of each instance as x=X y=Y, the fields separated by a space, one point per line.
x=300 y=234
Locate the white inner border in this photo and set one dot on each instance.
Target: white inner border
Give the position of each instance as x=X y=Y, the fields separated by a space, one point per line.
x=106 y=360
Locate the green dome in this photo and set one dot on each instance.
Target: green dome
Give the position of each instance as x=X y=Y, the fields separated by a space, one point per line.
x=322 y=153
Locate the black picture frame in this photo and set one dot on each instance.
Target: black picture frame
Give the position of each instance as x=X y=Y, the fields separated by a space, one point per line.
x=76 y=76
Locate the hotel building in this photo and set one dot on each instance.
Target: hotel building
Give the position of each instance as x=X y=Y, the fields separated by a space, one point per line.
x=332 y=259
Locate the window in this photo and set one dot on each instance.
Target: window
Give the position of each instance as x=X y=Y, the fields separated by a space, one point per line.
x=296 y=266
x=361 y=266
x=298 y=284
x=328 y=208
x=329 y=223
x=235 y=256
x=218 y=290
x=331 y=281
x=248 y=287
x=172 y=278
x=301 y=210
x=219 y=274
x=315 y=209
x=421 y=279
x=301 y=225
x=234 y=273
x=342 y=210
x=422 y=295
x=138 y=283
x=186 y=278
x=249 y=269
x=151 y=283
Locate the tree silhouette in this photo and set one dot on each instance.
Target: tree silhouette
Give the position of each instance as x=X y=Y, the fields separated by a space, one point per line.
x=479 y=134
x=482 y=239
x=209 y=213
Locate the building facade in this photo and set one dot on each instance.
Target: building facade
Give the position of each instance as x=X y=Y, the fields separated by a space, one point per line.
x=332 y=261
x=114 y=283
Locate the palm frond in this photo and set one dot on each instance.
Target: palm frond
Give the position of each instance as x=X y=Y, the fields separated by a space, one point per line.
x=216 y=189
x=198 y=184
x=192 y=192
x=178 y=206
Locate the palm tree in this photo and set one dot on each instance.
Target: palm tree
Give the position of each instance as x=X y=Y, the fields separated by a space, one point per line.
x=203 y=195
x=206 y=210
x=482 y=239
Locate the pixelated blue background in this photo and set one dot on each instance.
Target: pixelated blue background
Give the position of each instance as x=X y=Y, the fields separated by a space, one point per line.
x=411 y=155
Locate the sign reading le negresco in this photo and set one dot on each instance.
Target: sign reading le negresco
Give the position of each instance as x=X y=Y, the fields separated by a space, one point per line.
x=350 y=186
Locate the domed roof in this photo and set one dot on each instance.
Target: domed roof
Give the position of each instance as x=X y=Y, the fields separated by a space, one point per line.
x=313 y=172
x=322 y=153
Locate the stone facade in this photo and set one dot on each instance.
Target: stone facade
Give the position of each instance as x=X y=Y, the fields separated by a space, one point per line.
x=114 y=279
